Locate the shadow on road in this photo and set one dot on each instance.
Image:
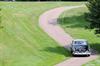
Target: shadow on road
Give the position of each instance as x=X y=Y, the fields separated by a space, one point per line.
x=53 y=21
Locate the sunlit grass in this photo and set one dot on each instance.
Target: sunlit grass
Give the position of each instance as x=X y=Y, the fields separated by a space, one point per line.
x=22 y=42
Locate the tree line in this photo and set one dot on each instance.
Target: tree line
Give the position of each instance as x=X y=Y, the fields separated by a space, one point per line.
x=43 y=0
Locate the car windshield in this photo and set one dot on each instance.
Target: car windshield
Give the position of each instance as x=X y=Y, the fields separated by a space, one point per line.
x=81 y=48
x=79 y=42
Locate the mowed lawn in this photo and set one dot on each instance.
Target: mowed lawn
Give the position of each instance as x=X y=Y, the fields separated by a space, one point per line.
x=74 y=23
x=22 y=41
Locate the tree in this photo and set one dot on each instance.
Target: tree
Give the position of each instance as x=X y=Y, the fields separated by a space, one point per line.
x=93 y=16
x=43 y=0
x=7 y=0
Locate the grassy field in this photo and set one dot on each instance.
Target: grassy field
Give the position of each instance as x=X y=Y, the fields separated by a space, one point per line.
x=22 y=42
x=73 y=22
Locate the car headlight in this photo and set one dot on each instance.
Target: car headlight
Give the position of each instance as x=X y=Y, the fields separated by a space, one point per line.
x=88 y=52
x=75 y=52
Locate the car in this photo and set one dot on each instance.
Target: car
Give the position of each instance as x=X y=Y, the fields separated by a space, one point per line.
x=80 y=47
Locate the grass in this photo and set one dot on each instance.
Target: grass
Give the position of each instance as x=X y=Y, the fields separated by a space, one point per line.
x=73 y=22
x=22 y=42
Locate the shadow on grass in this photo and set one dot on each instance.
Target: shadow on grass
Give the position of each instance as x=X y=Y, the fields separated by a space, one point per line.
x=58 y=50
x=73 y=21
x=96 y=48
x=62 y=51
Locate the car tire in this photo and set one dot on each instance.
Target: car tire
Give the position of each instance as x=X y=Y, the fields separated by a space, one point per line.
x=88 y=55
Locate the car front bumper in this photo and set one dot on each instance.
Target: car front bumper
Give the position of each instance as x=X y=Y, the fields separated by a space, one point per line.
x=82 y=53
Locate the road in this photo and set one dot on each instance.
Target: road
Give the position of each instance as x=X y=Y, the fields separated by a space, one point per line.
x=48 y=22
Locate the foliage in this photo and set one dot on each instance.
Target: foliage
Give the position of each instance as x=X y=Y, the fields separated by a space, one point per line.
x=43 y=0
x=94 y=15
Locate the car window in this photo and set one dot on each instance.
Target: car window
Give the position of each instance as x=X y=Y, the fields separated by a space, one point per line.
x=81 y=48
x=79 y=42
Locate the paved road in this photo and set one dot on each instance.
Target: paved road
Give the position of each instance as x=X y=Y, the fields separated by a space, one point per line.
x=48 y=22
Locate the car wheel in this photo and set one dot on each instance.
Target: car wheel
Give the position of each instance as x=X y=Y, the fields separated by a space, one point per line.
x=88 y=55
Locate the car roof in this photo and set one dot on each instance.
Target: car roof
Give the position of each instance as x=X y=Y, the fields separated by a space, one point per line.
x=79 y=40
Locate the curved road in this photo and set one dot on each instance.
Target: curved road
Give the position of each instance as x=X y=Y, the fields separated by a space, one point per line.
x=48 y=22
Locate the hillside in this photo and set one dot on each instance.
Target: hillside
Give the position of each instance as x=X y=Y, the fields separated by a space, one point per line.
x=22 y=42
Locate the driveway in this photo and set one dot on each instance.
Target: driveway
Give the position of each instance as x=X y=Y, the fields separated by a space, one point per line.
x=48 y=22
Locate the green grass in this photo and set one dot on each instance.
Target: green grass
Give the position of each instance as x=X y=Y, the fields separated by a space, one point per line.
x=74 y=23
x=22 y=42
